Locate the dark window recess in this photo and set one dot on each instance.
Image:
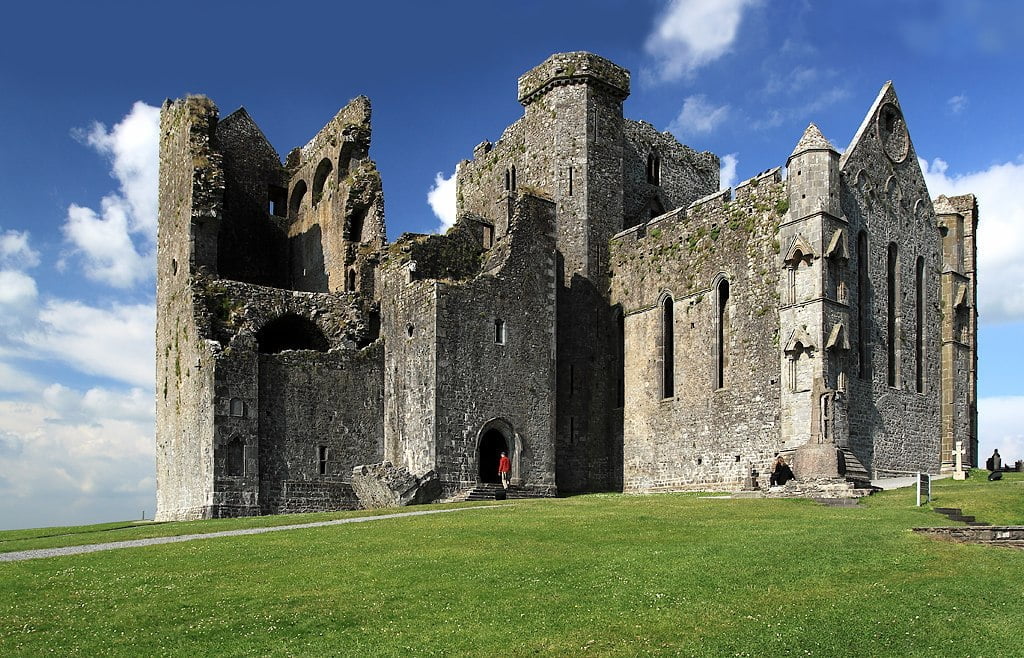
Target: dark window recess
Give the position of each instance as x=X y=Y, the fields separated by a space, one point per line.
x=291 y=332
x=488 y=237
x=653 y=168
x=322 y=454
x=722 y=358
x=277 y=200
x=350 y=280
x=237 y=408
x=234 y=463
x=620 y=353
x=298 y=193
x=668 y=384
x=919 y=325
x=323 y=173
x=499 y=331
x=862 y=305
x=891 y=315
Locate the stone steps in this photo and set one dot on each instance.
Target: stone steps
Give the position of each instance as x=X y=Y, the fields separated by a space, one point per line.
x=490 y=492
x=956 y=514
x=852 y=469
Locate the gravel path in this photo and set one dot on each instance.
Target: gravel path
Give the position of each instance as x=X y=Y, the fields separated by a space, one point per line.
x=109 y=546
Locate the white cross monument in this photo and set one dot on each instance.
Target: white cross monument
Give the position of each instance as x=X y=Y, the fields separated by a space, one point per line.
x=958 y=453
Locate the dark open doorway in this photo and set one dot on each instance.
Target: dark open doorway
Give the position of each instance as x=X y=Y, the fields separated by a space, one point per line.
x=492 y=444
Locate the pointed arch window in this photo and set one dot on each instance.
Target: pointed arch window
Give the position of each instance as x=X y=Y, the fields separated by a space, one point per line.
x=654 y=168
x=863 y=354
x=919 y=324
x=668 y=383
x=892 y=314
x=721 y=333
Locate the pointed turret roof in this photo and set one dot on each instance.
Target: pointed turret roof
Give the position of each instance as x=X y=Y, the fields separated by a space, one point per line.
x=812 y=140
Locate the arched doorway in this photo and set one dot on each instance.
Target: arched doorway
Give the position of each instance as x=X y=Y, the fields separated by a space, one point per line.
x=492 y=444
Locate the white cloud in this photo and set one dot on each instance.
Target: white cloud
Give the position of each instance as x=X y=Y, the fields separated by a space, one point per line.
x=117 y=243
x=1000 y=232
x=441 y=197
x=957 y=104
x=727 y=174
x=116 y=342
x=692 y=33
x=17 y=291
x=1000 y=428
x=69 y=457
x=15 y=250
x=698 y=116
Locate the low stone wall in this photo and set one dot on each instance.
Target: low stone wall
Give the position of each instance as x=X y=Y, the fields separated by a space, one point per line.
x=992 y=534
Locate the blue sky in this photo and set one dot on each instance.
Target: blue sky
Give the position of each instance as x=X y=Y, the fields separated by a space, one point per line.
x=81 y=84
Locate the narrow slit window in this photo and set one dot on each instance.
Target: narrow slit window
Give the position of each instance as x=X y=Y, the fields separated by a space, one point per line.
x=919 y=324
x=322 y=455
x=668 y=384
x=862 y=305
x=721 y=356
x=499 y=331
x=892 y=314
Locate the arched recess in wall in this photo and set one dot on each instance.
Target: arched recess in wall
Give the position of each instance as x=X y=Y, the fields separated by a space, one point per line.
x=323 y=172
x=345 y=159
x=234 y=457
x=619 y=352
x=720 y=286
x=356 y=221
x=291 y=332
x=495 y=435
x=654 y=168
x=892 y=315
x=919 y=324
x=295 y=200
x=667 y=346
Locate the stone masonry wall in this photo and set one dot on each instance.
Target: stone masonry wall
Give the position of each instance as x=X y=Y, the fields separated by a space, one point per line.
x=702 y=435
x=191 y=192
x=893 y=429
x=505 y=381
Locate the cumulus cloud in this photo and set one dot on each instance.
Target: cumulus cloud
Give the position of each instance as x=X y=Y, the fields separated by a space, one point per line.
x=698 y=116
x=957 y=104
x=692 y=33
x=15 y=250
x=441 y=197
x=999 y=427
x=115 y=342
x=727 y=173
x=1000 y=232
x=117 y=242
x=73 y=457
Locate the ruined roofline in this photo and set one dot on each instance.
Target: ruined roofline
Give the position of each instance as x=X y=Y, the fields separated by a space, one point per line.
x=572 y=69
x=360 y=103
x=720 y=197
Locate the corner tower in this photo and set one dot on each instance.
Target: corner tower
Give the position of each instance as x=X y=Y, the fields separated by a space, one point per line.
x=813 y=312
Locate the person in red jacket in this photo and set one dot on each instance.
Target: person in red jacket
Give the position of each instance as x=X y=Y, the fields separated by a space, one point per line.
x=504 y=466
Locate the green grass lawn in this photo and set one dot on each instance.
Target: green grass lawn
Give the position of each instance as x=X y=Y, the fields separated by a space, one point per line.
x=598 y=575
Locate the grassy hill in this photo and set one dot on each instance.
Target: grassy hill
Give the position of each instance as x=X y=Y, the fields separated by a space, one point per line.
x=602 y=575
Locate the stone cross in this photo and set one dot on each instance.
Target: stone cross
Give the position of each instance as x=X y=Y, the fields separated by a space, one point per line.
x=958 y=453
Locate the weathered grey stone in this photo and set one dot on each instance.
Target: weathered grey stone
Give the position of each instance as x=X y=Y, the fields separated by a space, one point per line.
x=601 y=311
x=387 y=485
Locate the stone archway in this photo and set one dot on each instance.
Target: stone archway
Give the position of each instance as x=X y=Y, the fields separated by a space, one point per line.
x=492 y=444
x=495 y=436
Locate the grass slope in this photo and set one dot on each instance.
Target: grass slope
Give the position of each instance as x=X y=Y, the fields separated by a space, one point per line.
x=601 y=575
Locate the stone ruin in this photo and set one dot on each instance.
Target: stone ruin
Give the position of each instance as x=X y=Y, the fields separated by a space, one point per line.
x=601 y=311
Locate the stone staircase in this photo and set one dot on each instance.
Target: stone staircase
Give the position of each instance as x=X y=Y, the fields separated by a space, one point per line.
x=956 y=514
x=490 y=491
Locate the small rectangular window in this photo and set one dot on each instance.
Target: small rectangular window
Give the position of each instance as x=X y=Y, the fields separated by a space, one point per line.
x=277 y=198
x=322 y=459
x=499 y=332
